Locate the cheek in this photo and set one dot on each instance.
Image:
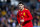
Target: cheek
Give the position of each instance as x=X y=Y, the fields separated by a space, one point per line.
x=20 y=6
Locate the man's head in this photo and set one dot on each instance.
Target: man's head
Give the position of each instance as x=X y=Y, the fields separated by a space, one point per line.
x=21 y=5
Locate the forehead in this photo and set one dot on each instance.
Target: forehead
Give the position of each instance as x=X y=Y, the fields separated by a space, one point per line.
x=20 y=4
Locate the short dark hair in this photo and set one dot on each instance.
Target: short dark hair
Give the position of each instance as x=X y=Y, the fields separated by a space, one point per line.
x=21 y=3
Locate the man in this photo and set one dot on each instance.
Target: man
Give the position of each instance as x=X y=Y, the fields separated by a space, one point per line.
x=24 y=16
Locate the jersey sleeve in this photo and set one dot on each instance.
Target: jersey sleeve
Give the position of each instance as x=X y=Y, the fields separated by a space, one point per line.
x=18 y=19
x=29 y=16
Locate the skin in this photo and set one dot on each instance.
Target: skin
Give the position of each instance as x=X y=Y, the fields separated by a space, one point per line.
x=21 y=7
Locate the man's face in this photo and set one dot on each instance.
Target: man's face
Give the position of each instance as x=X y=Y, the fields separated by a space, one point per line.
x=21 y=6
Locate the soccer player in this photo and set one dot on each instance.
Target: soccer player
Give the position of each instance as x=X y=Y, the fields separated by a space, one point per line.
x=24 y=16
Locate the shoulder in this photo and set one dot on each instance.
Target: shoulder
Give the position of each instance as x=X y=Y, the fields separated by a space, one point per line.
x=26 y=9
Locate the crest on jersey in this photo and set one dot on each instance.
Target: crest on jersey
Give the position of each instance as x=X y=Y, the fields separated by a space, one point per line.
x=24 y=13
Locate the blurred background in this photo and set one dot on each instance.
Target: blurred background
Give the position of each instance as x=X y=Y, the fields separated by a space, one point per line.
x=9 y=8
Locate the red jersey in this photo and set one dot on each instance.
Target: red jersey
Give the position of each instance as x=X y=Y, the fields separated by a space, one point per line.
x=26 y=15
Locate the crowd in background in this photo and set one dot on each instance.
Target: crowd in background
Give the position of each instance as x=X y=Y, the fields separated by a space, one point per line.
x=8 y=15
